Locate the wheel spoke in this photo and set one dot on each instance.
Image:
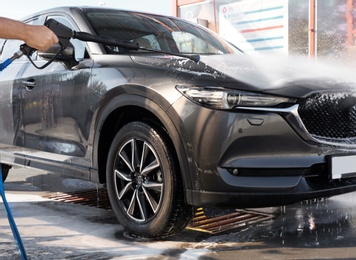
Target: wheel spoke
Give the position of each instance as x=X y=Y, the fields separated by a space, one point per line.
x=156 y=186
x=142 y=205
x=123 y=155
x=153 y=165
x=137 y=207
x=134 y=155
x=131 y=207
x=146 y=167
x=122 y=176
x=125 y=190
x=143 y=156
x=153 y=203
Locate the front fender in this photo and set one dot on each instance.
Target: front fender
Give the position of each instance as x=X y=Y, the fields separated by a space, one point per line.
x=117 y=100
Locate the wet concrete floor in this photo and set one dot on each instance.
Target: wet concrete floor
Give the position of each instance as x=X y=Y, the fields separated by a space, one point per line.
x=324 y=229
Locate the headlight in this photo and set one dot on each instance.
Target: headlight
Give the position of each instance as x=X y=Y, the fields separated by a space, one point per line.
x=222 y=98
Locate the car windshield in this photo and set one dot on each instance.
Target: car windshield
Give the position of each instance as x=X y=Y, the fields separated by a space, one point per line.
x=157 y=32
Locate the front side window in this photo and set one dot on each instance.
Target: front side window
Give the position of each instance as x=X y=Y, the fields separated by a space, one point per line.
x=77 y=44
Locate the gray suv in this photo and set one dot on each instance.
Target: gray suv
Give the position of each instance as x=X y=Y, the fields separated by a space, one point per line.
x=186 y=121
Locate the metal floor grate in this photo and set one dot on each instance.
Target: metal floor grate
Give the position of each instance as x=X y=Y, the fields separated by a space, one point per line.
x=96 y=198
x=212 y=225
x=239 y=219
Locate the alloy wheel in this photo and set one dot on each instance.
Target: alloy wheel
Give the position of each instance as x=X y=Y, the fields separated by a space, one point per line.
x=138 y=180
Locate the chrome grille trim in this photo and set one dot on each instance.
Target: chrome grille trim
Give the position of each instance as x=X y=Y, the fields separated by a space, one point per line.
x=292 y=116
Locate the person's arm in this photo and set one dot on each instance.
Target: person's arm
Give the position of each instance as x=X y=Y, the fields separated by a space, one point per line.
x=35 y=36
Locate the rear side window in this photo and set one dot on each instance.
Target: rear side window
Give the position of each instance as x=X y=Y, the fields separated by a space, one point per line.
x=2 y=41
x=10 y=48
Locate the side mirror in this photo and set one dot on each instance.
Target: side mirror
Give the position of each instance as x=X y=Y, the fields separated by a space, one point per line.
x=66 y=56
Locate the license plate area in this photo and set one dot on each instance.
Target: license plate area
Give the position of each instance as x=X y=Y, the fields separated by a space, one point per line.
x=343 y=166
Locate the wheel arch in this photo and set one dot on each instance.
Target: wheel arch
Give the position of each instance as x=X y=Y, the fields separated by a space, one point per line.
x=126 y=108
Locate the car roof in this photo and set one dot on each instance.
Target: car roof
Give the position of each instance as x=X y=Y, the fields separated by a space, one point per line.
x=76 y=9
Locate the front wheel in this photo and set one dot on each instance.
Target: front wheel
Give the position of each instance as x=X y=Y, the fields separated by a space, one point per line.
x=144 y=186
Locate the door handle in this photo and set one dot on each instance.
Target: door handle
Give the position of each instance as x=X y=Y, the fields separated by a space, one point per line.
x=29 y=84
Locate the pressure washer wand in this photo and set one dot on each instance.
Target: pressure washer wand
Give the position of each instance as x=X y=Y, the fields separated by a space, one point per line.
x=8 y=61
x=64 y=34
x=83 y=36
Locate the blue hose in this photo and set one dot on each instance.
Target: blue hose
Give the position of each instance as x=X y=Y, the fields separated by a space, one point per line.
x=5 y=64
x=13 y=226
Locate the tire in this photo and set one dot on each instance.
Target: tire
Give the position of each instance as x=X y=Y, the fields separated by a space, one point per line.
x=5 y=171
x=145 y=190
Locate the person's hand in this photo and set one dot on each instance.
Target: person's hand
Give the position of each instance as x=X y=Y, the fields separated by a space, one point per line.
x=39 y=37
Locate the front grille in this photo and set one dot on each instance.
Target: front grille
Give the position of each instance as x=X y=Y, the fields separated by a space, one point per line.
x=330 y=117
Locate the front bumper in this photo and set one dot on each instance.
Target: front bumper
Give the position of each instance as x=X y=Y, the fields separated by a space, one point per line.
x=255 y=158
x=259 y=199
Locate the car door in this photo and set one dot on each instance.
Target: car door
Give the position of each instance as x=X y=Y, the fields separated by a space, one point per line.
x=55 y=108
x=10 y=85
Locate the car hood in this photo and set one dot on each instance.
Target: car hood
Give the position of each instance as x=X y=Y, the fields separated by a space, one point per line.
x=292 y=76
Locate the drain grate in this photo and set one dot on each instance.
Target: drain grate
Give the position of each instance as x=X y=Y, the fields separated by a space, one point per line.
x=227 y=222
x=212 y=225
x=96 y=198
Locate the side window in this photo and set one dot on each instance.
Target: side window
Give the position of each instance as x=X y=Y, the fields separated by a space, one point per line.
x=2 y=41
x=79 y=47
x=12 y=46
